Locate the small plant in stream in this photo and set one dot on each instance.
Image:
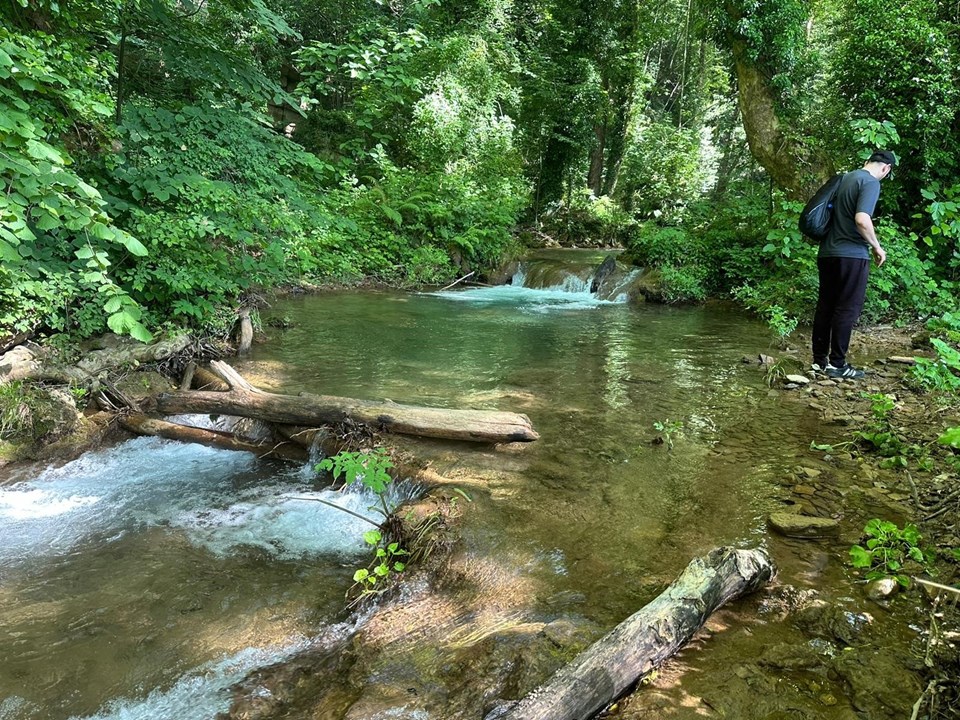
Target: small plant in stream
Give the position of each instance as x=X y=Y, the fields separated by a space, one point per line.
x=371 y=468
x=880 y=436
x=667 y=429
x=888 y=550
x=385 y=563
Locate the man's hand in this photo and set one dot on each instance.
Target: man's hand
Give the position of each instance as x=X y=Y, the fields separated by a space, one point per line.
x=880 y=254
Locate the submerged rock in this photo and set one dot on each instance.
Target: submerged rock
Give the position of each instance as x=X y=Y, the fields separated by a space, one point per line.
x=880 y=684
x=833 y=623
x=803 y=526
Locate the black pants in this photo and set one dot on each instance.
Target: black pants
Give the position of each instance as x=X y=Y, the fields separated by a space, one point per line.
x=843 y=287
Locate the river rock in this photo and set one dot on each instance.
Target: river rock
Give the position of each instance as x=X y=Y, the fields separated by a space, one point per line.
x=831 y=622
x=798 y=379
x=790 y=656
x=882 y=588
x=804 y=490
x=803 y=526
x=902 y=360
x=880 y=685
x=608 y=265
x=18 y=364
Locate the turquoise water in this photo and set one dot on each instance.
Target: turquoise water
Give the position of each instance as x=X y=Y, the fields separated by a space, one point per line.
x=142 y=581
x=593 y=510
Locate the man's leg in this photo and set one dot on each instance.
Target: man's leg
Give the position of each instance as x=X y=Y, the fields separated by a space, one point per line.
x=828 y=270
x=852 y=275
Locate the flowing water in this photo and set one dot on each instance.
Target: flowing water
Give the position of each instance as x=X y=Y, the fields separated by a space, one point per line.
x=142 y=580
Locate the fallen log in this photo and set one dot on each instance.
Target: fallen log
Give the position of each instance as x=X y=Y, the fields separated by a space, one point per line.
x=23 y=363
x=245 y=400
x=143 y=425
x=638 y=645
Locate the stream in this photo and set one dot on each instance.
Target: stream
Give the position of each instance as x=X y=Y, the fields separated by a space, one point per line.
x=143 y=580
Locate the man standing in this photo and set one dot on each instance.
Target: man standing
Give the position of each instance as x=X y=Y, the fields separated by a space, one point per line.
x=844 y=264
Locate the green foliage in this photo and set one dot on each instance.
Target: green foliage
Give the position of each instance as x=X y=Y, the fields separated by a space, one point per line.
x=678 y=254
x=386 y=562
x=774 y=36
x=57 y=242
x=950 y=438
x=370 y=468
x=898 y=62
x=881 y=437
x=941 y=374
x=668 y=429
x=662 y=171
x=889 y=551
x=27 y=413
x=589 y=221
x=223 y=204
x=947 y=326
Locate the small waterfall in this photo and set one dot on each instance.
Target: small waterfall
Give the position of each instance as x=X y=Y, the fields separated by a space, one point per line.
x=594 y=274
x=549 y=280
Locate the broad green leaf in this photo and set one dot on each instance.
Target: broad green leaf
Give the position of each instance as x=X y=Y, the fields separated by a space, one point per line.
x=139 y=332
x=950 y=437
x=133 y=246
x=361 y=575
x=860 y=558
x=42 y=151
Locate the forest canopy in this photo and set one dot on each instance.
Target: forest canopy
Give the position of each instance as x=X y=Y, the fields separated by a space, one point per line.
x=164 y=159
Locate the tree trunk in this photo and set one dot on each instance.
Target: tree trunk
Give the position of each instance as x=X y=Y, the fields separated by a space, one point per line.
x=246 y=332
x=247 y=401
x=595 y=174
x=638 y=645
x=793 y=167
x=143 y=425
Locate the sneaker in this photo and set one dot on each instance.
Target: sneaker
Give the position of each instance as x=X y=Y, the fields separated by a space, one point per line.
x=845 y=372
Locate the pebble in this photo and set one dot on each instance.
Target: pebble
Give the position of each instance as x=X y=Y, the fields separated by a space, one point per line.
x=798 y=379
x=882 y=588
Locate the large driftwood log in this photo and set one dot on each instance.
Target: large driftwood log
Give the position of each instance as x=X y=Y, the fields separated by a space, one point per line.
x=143 y=425
x=247 y=401
x=605 y=670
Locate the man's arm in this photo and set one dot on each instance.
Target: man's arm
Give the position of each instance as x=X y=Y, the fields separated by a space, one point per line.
x=865 y=228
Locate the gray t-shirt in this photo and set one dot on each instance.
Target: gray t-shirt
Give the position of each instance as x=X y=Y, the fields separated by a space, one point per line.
x=858 y=192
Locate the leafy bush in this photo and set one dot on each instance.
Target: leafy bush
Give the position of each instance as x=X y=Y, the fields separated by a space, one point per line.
x=888 y=551
x=941 y=374
x=680 y=257
x=57 y=241
x=589 y=221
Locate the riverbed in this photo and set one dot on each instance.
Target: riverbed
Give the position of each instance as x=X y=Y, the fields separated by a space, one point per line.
x=143 y=580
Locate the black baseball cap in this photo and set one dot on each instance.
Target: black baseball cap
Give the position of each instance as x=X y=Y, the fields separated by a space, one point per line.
x=884 y=156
